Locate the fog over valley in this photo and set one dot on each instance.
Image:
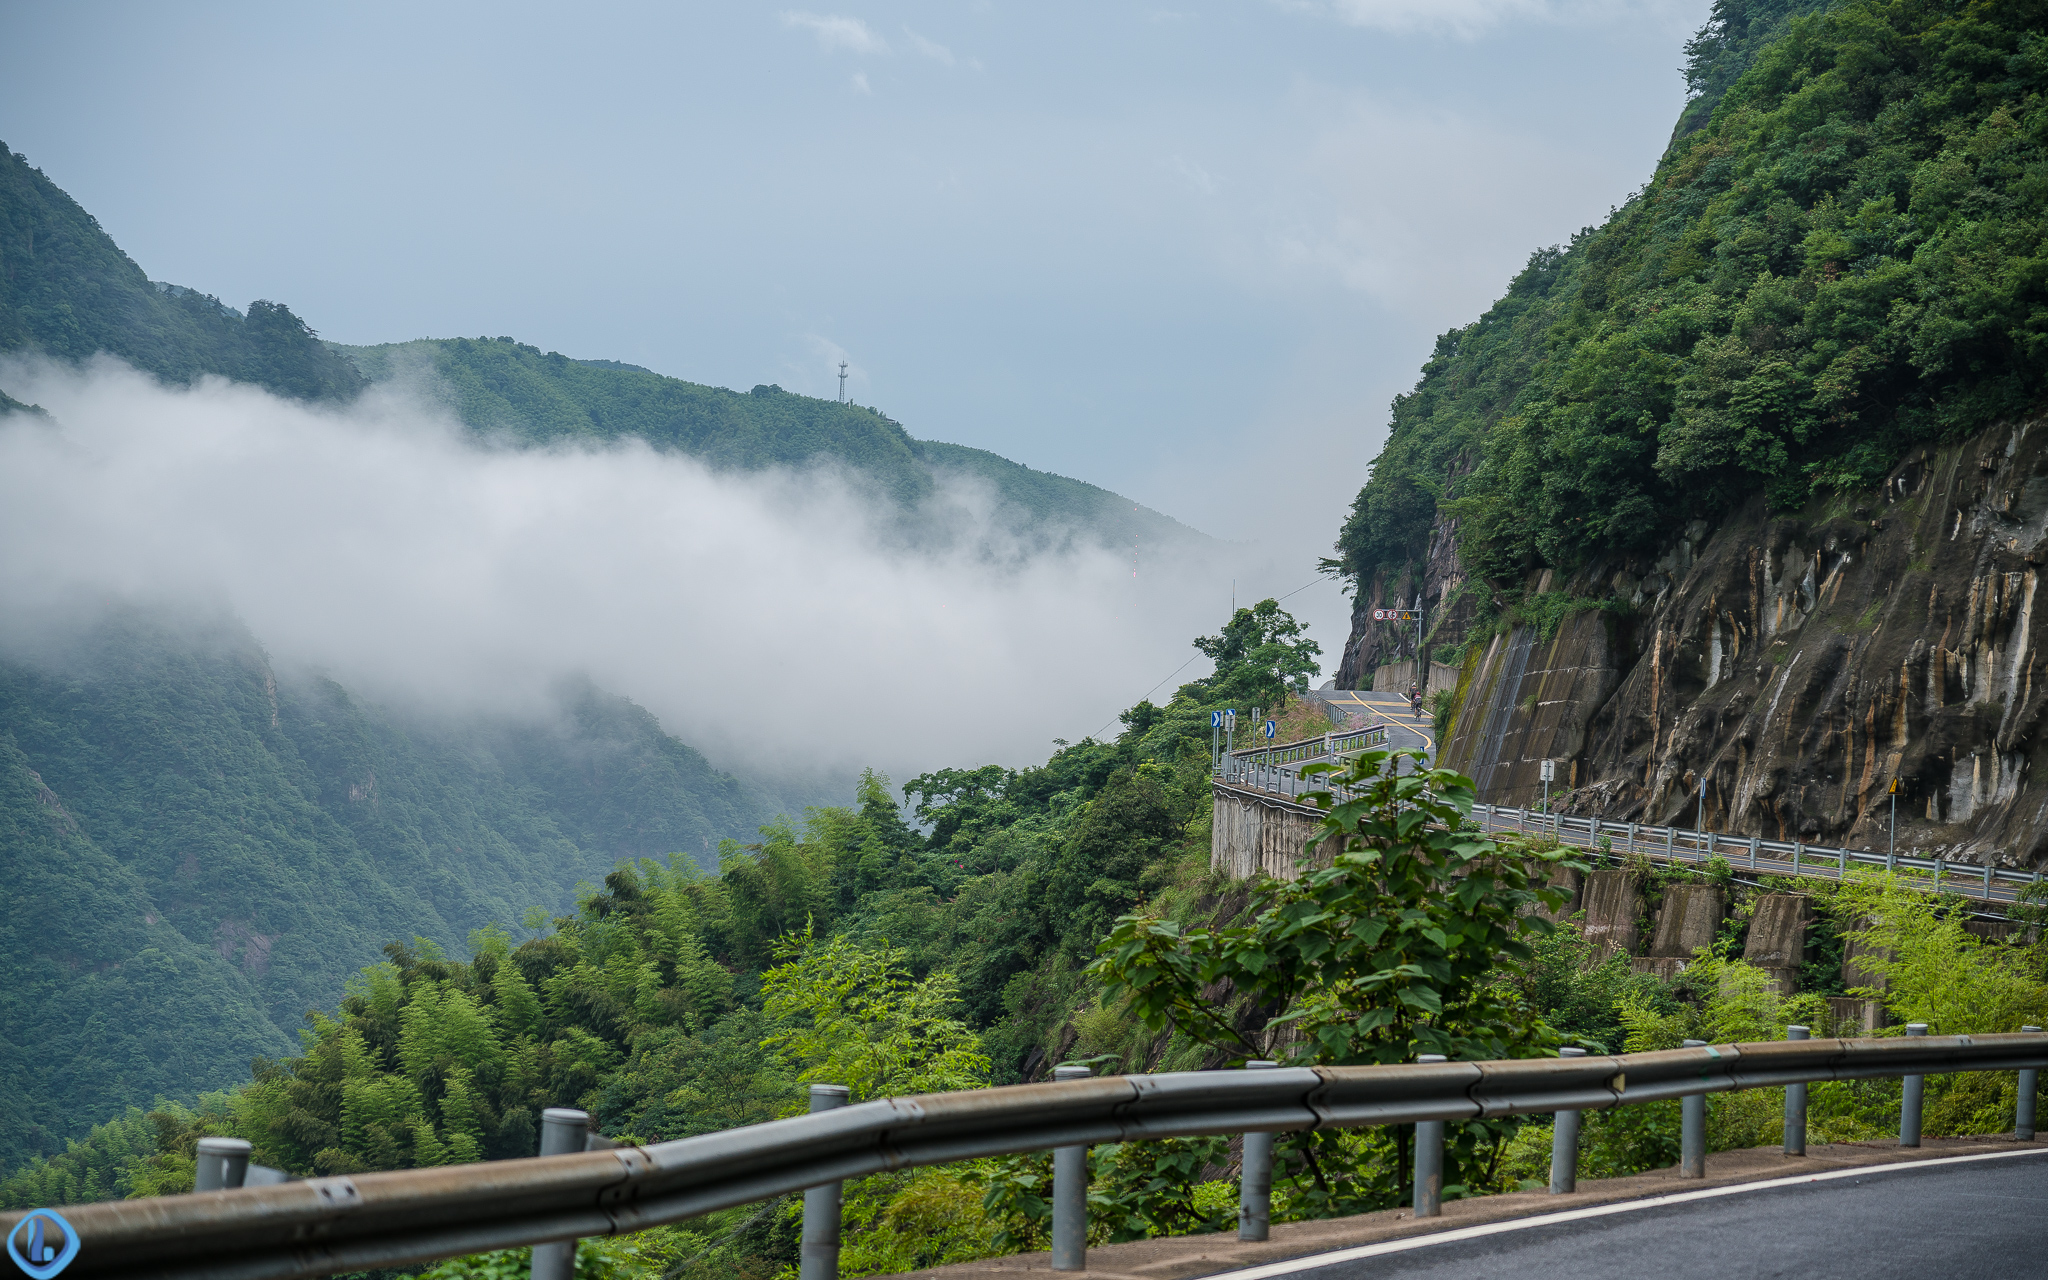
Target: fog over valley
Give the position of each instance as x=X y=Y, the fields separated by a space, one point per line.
x=788 y=623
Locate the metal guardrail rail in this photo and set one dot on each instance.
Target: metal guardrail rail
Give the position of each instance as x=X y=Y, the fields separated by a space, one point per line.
x=1277 y=779
x=1275 y=770
x=1753 y=853
x=324 y=1225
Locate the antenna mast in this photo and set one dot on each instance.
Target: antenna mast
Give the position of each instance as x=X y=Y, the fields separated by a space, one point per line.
x=842 y=382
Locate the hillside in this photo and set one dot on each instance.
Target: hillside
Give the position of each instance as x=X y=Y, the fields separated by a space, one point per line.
x=501 y=387
x=67 y=289
x=199 y=850
x=1735 y=487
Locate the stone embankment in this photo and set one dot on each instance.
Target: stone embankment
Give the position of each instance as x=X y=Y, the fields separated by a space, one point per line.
x=1794 y=664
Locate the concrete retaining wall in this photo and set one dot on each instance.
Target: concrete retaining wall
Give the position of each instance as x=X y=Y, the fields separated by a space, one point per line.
x=1612 y=902
x=1248 y=836
x=1254 y=834
x=1688 y=920
x=1395 y=677
x=1777 y=938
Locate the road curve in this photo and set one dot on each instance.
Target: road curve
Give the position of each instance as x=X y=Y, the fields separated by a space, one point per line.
x=1967 y=1216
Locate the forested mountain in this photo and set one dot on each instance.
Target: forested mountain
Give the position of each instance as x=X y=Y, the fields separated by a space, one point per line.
x=499 y=386
x=1849 y=260
x=67 y=289
x=198 y=850
x=1734 y=500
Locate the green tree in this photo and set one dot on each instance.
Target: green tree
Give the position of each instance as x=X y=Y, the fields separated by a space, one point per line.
x=1391 y=950
x=857 y=1016
x=1260 y=654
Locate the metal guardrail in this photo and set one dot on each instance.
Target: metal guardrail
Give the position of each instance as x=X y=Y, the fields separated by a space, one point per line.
x=1275 y=770
x=324 y=1225
x=1753 y=853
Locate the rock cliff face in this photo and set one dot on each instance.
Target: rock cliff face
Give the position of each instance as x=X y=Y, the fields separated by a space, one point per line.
x=1796 y=663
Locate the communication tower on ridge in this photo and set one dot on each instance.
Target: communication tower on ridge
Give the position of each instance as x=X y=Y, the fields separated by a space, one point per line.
x=842 y=382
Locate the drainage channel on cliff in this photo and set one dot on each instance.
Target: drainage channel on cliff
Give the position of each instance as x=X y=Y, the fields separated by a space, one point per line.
x=1500 y=703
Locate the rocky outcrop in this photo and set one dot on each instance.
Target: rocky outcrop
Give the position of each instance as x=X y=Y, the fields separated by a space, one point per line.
x=1796 y=663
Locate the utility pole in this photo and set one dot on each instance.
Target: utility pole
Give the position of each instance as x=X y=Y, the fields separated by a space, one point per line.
x=842 y=382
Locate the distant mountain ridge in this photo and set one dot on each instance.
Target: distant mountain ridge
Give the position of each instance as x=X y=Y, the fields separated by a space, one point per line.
x=500 y=385
x=68 y=290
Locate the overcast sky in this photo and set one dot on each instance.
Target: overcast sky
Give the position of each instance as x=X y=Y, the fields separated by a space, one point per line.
x=1186 y=251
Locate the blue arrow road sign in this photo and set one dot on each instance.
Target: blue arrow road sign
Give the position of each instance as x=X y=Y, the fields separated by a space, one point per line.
x=1271 y=725
x=1215 y=719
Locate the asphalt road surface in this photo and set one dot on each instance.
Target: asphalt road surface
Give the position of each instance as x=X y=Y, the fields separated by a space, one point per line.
x=1933 y=1220
x=1409 y=730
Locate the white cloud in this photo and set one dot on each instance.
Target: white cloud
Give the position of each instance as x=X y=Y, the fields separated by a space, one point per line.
x=930 y=48
x=777 y=620
x=835 y=31
x=860 y=83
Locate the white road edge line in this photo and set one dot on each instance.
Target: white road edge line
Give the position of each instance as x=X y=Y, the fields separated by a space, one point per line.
x=1595 y=1211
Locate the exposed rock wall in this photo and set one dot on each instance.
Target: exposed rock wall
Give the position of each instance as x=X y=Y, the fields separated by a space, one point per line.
x=1798 y=663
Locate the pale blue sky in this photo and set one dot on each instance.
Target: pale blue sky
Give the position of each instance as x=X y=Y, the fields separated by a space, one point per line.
x=1186 y=251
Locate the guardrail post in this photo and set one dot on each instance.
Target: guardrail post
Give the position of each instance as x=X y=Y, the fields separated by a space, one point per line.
x=1692 y=1129
x=1069 y=1195
x=1795 y=1104
x=1754 y=843
x=1429 y=1159
x=1909 y=1100
x=222 y=1163
x=819 y=1259
x=1255 y=1178
x=563 y=1130
x=2023 y=1109
x=1564 y=1143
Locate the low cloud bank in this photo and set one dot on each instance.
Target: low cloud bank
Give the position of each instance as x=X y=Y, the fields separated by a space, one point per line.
x=778 y=621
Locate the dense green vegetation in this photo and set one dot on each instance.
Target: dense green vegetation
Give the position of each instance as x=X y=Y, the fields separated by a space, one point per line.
x=501 y=386
x=1846 y=261
x=653 y=1002
x=199 y=851
x=68 y=290
x=1064 y=912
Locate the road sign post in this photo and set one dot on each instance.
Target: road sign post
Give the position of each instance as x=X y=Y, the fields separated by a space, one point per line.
x=1549 y=771
x=1229 y=730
